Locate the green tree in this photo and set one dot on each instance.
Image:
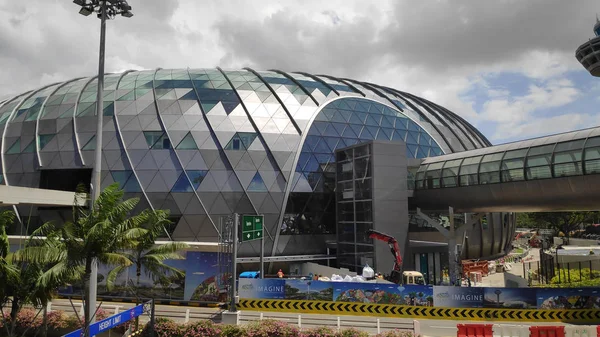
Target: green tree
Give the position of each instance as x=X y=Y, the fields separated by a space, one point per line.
x=563 y=221
x=143 y=253
x=97 y=235
x=23 y=282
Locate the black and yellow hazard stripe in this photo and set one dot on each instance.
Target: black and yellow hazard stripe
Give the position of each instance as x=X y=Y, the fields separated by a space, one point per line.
x=403 y=311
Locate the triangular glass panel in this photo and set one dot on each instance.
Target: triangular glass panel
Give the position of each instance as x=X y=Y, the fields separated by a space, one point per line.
x=320 y=126
x=365 y=134
x=263 y=95
x=235 y=143
x=15 y=148
x=339 y=127
x=44 y=140
x=399 y=135
x=412 y=151
x=329 y=113
x=412 y=126
x=332 y=142
x=182 y=184
x=247 y=138
x=411 y=139
x=387 y=122
x=91 y=144
x=208 y=105
x=387 y=132
x=191 y=95
x=30 y=148
x=304 y=157
x=331 y=131
x=401 y=123
x=349 y=133
x=152 y=137
x=373 y=130
x=109 y=109
x=257 y=184
x=338 y=117
x=196 y=177
x=372 y=121
x=121 y=177
x=132 y=185
x=356 y=128
x=187 y=143
x=229 y=106
x=345 y=114
x=322 y=147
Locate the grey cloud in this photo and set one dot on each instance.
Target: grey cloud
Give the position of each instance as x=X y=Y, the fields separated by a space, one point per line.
x=290 y=41
x=65 y=44
x=436 y=35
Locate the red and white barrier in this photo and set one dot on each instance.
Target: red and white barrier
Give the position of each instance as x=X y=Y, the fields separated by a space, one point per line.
x=513 y=330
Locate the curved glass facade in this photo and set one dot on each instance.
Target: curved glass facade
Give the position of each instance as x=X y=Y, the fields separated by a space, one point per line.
x=205 y=143
x=341 y=123
x=515 y=162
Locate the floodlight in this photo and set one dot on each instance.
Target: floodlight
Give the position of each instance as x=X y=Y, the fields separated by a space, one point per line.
x=80 y=2
x=127 y=14
x=86 y=11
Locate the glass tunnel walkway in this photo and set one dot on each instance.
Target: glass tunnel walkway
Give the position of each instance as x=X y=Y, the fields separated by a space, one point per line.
x=554 y=173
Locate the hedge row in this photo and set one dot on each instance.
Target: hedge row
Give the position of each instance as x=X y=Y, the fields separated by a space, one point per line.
x=59 y=323
x=264 y=328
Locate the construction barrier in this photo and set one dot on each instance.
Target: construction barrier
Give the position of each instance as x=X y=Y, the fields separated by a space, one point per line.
x=390 y=310
x=474 y=330
x=511 y=330
x=547 y=331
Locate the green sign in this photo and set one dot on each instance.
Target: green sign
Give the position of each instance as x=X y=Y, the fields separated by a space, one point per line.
x=252 y=227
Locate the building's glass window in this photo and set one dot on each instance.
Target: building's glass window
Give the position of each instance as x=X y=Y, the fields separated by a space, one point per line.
x=44 y=140
x=433 y=174
x=512 y=168
x=187 y=143
x=468 y=171
x=489 y=169
x=15 y=148
x=241 y=141
x=538 y=161
x=157 y=140
x=450 y=173
x=592 y=156
x=567 y=158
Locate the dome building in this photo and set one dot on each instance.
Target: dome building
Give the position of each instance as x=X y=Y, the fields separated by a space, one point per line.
x=205 y=143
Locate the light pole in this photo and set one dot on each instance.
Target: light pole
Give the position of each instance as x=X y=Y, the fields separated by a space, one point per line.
x=104 y=9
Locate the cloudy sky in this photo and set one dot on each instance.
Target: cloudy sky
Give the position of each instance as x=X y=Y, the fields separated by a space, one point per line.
x=506 y=66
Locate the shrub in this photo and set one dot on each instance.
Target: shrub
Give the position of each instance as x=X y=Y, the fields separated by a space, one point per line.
x=29 y=318
x=353 y=332
x=166 y=328
x=271 y=328
x=231 y=330
x=575 y=276
x=202 y=329
x=322 y=331
x=396 y=333
x=57 y=320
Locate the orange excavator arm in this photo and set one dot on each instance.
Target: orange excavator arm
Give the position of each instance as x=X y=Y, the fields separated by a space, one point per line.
x=392 y=242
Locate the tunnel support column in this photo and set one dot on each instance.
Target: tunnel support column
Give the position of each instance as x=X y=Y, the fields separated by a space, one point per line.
x=451 y=236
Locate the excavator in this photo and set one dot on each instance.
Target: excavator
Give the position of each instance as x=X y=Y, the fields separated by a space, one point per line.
x=397 y=276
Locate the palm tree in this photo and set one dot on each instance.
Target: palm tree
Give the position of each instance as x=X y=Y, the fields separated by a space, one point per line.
x=145 y=255
x=21 y=282
x=96 y=234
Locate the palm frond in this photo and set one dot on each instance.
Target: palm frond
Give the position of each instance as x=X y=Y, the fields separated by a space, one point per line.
x=112 y=276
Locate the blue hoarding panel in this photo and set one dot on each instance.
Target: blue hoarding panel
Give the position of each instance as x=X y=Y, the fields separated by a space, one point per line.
x=261 y=288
